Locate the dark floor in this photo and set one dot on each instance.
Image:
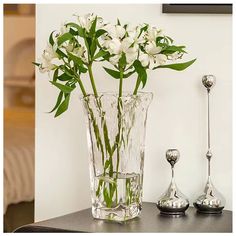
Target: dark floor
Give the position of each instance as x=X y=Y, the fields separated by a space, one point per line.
x=18 y=215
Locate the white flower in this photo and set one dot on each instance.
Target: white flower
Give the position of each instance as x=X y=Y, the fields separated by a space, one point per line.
x=144 y=59
x=114 y=59
x=87 y=20
x=152 y=49
x=64 y=29
x=116 y=47
x=46 y=66
x=48 y=55
x=50 y=52
x=136 y=34
x=152 y=60
x=80 y=52
x=174 y=56
x=69 y=47
x=152 y=33
x=115 y=31
x=161 y=59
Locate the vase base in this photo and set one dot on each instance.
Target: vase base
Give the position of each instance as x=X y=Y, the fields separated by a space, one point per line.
x=120 y=213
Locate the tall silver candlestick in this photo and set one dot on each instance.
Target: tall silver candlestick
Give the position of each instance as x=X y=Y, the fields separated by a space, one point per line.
x=211 y=201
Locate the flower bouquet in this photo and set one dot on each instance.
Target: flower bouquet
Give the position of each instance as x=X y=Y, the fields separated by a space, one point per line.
x=116 y=122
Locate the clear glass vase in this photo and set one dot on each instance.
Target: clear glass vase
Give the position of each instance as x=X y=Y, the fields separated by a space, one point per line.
x=116 y=140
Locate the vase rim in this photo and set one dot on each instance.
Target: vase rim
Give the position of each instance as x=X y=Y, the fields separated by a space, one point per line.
x=115 y=94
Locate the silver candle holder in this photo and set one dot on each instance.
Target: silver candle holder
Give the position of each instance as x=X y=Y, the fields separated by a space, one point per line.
x=211 y=201
x=172 y=202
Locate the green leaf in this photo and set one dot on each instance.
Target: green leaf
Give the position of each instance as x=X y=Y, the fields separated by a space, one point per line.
x=73 y=32
x=115 y=74
x=75 y=59
x=100 y=32
x=35 y=63
x=101 y=53
x=80 y=30
x=62 y=87
x=64 y=106
x=118 y=22
x=59 y=98
x=55 y=75
x=82 y=69
x=141 y=71
x=93 y=27
x=143 y=29
x=170 y=39
x=178 y=66
x=60 y=53
x=51 y=41
x=172 y=49
x=128 y=74
x=93 y=47
x=66 y=70
x=63 y=38
x=64 y=77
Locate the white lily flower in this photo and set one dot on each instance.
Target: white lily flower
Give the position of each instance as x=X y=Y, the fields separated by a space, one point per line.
x=144 y=59
x=174 y=56
x=87 y=20
x=69 y=47
x=46 y=66
x=126 y=46
x=134 y=33
x=161 y=59
x=80 y=52
x=115 y=31
x=115 y=59
x=152 y=60
x=152 y=49
x=114 y=46
x=152 y=33
x=50 y=52
x=64 y=29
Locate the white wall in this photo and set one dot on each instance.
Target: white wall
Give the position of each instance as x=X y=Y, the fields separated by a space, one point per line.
x=177 y=116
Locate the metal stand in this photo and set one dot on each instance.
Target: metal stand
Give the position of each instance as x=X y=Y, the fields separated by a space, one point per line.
x=172 y=202
x=211 y=201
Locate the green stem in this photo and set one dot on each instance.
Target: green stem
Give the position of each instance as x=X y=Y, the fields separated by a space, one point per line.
x=121 y=82
x=81 y=86
x=137 y=86
x=92 y=79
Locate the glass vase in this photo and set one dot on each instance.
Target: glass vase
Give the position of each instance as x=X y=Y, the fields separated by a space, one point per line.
x=116 y=139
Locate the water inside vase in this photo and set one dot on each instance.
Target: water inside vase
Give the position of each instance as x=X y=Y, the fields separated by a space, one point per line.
x=117 y=196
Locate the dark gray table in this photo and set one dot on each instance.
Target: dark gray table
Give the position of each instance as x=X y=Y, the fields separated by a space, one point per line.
x=149 y=221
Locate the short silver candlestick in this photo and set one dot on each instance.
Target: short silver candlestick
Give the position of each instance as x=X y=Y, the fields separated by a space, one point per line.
x=172 y=202
x=211 y=201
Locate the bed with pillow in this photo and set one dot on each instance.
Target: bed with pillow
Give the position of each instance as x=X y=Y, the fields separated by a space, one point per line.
x=18 y=167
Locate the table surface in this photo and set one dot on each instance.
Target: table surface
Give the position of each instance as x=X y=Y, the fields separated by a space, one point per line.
x=149 y=221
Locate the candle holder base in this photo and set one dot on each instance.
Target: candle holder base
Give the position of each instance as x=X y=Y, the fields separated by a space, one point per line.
x=208 y=210
x=211 y=201
x=167 y=211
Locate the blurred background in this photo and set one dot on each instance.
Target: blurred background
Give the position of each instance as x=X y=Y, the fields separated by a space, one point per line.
x=19 y=110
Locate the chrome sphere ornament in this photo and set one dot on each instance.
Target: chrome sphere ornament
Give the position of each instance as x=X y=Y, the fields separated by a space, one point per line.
x=210 y=201
x=209 y=81
x=172 y=156
x=172 y=202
